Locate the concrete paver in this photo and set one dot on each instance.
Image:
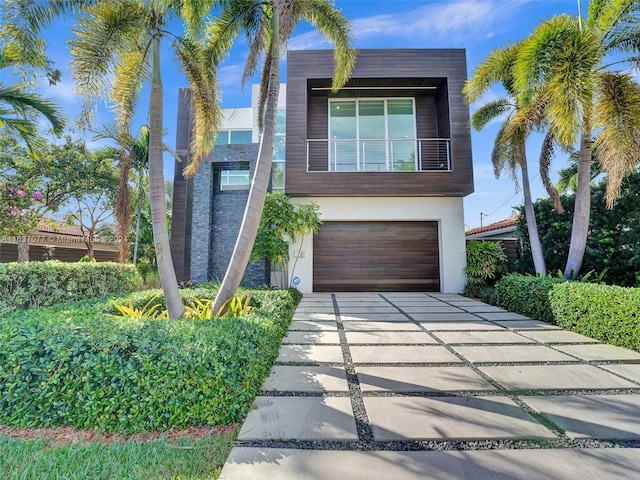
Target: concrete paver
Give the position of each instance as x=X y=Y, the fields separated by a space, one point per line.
x=595 y=416
x=502 y=363
x=421 y=379
x=461 y=326
x=286 y=378
x=526 y=325
x=310 y=353
x=321 y=337
x=495 y=316
x=311 y=326
x=428 y=316
x=630 y=371
x=364 y=326
x=300 y=418
x=557 y=336
x=451 y=418
x=555 y=377
x=402 y=354
x=513 y=353
x=373 y=317
x=501 y=336
x=355 y=338
x=600 y=352
x=322 y=317
x=567 y=464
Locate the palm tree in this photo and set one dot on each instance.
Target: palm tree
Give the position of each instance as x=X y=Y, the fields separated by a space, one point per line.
x=509 y=150
x=572 y=61
x=116 y=47
x=268 y=26
x=19 y=109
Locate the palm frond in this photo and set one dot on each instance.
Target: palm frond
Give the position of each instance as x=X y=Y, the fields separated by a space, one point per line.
x=547 y=153
x=24 y=104
x=490 y=111
x=330 y=22
x=192 y=12
x=102 y=37
x=131 y=71
x=207 y=115
x=508 y=151
x=617 y=114
x=222 y=31
x=496 y=68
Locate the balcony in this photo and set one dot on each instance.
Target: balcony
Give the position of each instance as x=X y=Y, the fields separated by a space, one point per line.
x=404 y=155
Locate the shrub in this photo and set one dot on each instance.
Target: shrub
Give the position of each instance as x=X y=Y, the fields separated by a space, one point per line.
x=36 y=284
x=486 y=262
x=607 y=313
x=527 y=295
x=75 y=365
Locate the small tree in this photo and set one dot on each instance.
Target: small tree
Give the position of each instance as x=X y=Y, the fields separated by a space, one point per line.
x=486 y=263
x=280 y=223
x=17 y=216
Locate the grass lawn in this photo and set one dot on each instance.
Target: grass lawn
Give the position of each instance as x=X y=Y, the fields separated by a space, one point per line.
x=160 y=459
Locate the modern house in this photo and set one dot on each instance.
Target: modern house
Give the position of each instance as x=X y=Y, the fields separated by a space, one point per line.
x=387 y=159
x=503 y=232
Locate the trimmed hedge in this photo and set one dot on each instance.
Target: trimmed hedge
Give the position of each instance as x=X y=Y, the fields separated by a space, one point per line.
x=38 y=284
x=607 y=313
x=527 y=295
x=75 y=365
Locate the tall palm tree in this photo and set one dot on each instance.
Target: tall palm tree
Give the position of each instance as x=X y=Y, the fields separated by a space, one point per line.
x=116 y=47
x=509 y=150
x=268 y=26
x=572 y=60
x=20 y=109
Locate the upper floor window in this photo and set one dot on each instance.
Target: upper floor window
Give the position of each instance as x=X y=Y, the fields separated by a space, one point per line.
x=372 y=135
x=226 y=137
x=234 y=179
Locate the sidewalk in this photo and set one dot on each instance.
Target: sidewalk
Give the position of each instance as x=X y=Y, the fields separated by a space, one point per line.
x=416 y=386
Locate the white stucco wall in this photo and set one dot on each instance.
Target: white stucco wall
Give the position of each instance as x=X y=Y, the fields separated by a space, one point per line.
x=448 y=212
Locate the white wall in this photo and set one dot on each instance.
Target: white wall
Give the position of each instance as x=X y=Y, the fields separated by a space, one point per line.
x=448 y=212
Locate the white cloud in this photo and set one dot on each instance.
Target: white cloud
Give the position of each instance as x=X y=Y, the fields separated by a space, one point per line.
x=230 y=74
x=63 y=91
x=308 y=41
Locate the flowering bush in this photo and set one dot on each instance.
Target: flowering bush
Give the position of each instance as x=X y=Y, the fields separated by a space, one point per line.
x=16 y=216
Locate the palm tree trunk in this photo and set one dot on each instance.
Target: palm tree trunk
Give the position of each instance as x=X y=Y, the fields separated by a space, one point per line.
x=582 y=208
x=532 y=225
x=123 y=206
x=255 y=202
x=156 y=192
x=138 y=216
x=23 y=251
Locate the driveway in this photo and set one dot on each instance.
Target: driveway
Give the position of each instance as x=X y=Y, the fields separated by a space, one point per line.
x=417 y=386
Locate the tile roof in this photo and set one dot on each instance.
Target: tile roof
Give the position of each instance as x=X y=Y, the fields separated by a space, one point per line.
x=55 y=226
x=509 y=222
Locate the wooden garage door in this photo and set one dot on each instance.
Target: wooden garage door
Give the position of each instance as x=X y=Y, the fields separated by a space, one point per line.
x=376 y=256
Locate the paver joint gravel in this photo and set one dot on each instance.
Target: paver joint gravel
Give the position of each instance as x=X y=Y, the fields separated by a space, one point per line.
x=408 y=386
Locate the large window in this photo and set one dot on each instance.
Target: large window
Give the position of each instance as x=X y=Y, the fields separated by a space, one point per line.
x=372 y=135
x=278 y=166
x=226 y=137
x=234 y=180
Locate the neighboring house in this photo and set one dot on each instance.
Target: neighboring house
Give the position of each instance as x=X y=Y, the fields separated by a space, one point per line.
x=53 y=240
x=387 y=159
x=503 y=232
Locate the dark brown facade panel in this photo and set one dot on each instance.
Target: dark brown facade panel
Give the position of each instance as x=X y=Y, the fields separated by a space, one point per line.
x=452 y=117
x=376 y=256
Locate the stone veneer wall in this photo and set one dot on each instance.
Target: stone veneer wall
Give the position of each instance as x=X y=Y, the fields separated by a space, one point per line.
x=216 y=217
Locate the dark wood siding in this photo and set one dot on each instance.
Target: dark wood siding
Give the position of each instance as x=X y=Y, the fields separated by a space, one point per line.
x=318 y=128
x=39 y=253
x=444 y=68
x=376 y=256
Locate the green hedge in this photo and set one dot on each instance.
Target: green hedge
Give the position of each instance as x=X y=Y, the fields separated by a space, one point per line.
x=527 y=295
x=76 y=365
x=37 y=284
x=607 y=313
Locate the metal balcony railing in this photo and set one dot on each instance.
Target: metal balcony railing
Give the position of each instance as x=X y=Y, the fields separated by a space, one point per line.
x=337 y=155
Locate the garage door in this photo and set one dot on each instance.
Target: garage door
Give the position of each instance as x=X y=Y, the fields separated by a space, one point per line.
x=376 y=256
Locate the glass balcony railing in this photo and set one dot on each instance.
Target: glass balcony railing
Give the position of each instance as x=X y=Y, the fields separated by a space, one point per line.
x=348 y=155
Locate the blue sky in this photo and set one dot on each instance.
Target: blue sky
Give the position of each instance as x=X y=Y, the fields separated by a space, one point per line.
x=475 y=25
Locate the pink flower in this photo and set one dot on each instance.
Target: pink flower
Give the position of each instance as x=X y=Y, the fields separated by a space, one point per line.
x=16 y=212
x=20 y=193
x=38 y=196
